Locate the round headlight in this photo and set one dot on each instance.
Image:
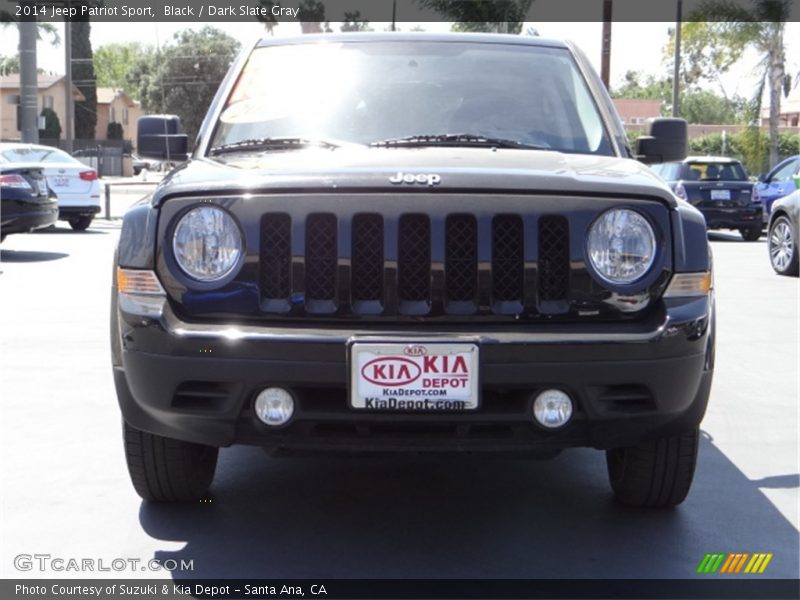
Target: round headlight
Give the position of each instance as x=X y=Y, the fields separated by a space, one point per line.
x=207 y=243
x=621 y=245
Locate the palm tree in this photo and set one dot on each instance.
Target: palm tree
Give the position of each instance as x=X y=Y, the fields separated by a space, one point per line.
x=7 y=19
x=760 y=27
x=482 y=15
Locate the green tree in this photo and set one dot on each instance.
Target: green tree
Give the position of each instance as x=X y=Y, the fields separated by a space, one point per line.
x=704 y=106
x=354 y=22
x=52 y=126
x=114 y=131
x=311 y=14
x=113 y=62
x=638 y=86
x=267 y=18
x=183 y=76
x=7 y=19
x=482 y=15
x=9 y=64
x=731 y=29
x=84 y=79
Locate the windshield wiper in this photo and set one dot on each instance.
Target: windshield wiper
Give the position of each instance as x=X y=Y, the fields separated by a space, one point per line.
x=456 y=139
x=270 y=143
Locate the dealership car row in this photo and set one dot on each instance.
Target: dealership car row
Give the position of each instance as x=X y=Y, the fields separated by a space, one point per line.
x=40 y=185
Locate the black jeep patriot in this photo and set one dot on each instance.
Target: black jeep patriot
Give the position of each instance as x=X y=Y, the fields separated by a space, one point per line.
x=399 y=242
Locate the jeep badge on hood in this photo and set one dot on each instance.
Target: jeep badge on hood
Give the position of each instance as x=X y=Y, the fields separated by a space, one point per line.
x=429 y=178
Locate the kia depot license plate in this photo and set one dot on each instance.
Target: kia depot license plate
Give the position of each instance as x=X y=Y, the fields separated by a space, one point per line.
x=720 y=194
x=414 y=377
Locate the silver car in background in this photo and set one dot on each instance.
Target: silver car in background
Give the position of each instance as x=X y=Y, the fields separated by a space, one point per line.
x=784 y=224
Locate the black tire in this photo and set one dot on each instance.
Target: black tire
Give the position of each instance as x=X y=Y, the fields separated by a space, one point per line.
x=750 y=234
x=654 y=474
x=80 y=223
x=168 y=470
x=782 y=245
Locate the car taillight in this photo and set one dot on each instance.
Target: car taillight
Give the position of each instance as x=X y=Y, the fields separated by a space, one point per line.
x=755 y=197
x=88 y=175
x=14 y=181
x=680 y=191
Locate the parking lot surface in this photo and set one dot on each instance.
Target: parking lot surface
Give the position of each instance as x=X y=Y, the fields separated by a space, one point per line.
x=66 y=490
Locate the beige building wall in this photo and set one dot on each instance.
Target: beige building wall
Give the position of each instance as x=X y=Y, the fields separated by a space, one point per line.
x=116 y=106
x=52 y=96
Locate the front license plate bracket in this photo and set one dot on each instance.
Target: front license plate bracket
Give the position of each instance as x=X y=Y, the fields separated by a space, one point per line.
x=414 y=377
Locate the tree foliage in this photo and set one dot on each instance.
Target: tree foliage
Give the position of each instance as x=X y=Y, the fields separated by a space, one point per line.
x=113 y=62
x=748 y=146
x=482 y=15
x=84 y=79
x=706 y=107
x=52 y=126
x=7 y=19
x=638 y=86
x=114 y=131
x=697 y=105
x=354 y=22
x=731 y=29
x=183 y=77
x=9 y=64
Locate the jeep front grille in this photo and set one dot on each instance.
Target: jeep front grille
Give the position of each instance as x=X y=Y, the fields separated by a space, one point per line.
x=415 y=265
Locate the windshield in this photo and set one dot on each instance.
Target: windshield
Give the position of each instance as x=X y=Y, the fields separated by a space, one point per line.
x=35 y=154
x=708 y=171
x=369 y=92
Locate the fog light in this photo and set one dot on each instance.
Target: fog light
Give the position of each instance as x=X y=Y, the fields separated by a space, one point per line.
x=274 y=406
x=552 y=408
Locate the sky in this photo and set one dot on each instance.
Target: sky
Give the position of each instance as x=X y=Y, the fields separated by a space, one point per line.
x=635 y=46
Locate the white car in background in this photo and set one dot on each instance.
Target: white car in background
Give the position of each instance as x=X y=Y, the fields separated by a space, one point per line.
x=74 y=183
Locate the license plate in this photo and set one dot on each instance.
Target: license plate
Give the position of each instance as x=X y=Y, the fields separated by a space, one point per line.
x=60 y=181
x=720 y=194
x=414 y=377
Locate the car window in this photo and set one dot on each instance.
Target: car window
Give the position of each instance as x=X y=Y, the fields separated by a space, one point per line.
x=715 y=171
x=35 y=155
x=668 y=171
x=378 y=91
x=785 y=172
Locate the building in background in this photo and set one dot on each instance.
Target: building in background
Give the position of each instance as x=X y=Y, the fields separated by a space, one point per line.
x=637 y=111
x=115 y=106
x=50 y=93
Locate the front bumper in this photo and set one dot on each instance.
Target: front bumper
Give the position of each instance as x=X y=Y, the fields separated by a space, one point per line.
x=630 y=381
x=733 y=217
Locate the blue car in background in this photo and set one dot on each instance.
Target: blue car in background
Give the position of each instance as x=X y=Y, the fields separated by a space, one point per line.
x=779 y=182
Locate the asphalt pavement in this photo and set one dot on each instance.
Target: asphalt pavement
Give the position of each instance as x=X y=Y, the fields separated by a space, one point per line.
x=66 y=493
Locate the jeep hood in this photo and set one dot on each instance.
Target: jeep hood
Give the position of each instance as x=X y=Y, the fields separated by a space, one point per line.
x=471 y=170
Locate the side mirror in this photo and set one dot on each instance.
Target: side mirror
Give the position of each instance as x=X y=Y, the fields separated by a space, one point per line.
x=666 y=140
x=161 y=137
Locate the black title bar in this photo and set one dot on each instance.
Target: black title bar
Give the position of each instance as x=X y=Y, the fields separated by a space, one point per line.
x=374 y=11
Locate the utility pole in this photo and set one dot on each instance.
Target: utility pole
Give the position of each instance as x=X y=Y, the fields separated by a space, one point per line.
x=605 y=62
x=28 y=88
x=676 y=82
x=69 y=101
